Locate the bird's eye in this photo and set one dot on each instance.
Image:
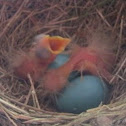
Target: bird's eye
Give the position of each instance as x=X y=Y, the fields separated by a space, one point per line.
x=42 y=53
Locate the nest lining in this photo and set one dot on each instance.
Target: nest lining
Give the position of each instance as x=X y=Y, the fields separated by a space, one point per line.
x=20 y=21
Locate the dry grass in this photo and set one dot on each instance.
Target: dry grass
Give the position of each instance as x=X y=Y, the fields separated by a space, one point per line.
x=20 y=21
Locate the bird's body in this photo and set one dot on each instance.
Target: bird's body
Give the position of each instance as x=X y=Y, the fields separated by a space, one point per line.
x=30 y=64
x=36 y=60
x=94 y=61
x=97 y=58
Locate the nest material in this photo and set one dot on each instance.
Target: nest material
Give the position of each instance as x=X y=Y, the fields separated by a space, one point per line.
x=20 y=21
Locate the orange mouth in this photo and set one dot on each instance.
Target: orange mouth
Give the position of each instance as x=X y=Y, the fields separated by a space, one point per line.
x=55 y=44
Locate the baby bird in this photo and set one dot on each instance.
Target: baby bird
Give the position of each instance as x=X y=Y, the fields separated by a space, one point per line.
x=37 y=59
x=97 y=59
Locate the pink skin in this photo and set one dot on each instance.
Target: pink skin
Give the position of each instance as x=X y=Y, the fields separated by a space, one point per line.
x=37 y=59
x=83 y=59
x=55 y=79
x=95 y=62
x=31 y=64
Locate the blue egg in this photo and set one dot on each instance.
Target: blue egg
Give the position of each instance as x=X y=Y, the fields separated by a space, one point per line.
x=60 y=60
x=81 y=94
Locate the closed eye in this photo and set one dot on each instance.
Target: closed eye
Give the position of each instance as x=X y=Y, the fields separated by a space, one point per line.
x=42 y=53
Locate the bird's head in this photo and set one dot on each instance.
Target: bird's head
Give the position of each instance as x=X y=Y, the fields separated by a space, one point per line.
x=47 y=46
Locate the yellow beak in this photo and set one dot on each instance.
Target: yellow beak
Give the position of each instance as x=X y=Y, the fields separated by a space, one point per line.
x=55 y=44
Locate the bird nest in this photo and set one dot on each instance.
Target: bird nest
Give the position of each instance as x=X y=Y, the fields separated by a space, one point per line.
x=21 y=104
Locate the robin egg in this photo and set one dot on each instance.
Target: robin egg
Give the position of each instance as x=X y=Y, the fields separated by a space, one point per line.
x=59 y=61
x=81 y=94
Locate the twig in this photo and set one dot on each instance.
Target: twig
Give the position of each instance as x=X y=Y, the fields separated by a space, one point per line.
x=24 y=20
x=118 y=71
x=7 y=115
x=120 y=37
x=103 y=18
x=118 y=17
x=33 y=92
x=22 y=104
x=16 y=15
x=63 y=21
x=27 y=98
x=12 y=106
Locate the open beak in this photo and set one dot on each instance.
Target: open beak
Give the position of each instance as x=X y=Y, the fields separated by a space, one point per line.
x=55 y=44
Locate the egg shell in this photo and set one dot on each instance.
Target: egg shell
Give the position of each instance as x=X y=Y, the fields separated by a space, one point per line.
x=81 y=94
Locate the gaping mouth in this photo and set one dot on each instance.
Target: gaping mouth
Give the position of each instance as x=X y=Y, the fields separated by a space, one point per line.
x=55 y=44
